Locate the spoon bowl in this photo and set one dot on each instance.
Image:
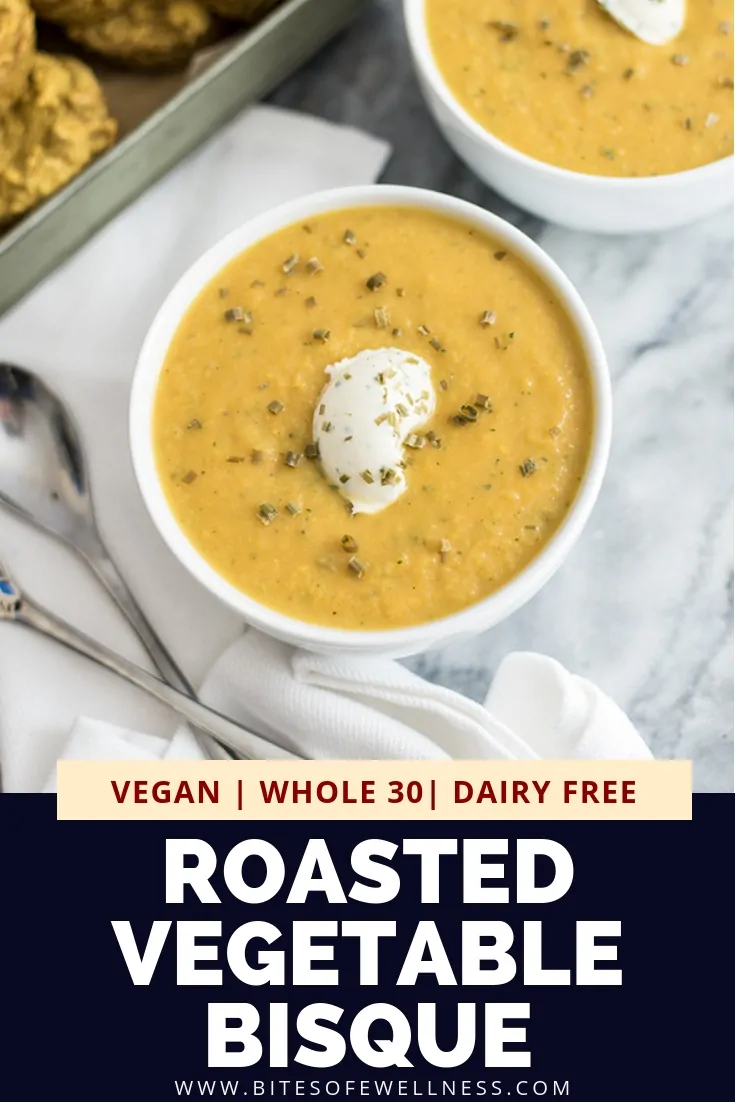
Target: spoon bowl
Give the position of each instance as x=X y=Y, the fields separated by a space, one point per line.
x=42 y=470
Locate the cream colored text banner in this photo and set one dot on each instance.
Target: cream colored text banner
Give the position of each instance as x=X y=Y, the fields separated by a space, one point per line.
x=319 y=790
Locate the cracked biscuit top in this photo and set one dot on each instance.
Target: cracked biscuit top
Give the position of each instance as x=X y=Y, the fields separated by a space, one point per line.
x=17 y=43
x=147 y=34
x=58 y=126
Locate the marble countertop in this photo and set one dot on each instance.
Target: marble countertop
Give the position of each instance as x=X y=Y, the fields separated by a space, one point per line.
x=644 y=605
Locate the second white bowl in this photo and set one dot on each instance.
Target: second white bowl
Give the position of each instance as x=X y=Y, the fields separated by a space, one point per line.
x=599 y=204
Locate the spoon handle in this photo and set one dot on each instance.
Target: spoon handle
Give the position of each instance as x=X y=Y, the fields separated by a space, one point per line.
x=231 y=734
x=113 y=581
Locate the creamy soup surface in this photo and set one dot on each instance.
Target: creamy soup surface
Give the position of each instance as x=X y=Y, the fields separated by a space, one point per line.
x=566 y=84
x=244 y=373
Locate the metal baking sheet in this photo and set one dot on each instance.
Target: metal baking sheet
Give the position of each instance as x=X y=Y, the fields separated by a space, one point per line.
x=254 y=65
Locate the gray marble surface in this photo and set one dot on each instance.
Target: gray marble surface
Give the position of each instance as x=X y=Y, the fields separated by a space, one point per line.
x=644 y=605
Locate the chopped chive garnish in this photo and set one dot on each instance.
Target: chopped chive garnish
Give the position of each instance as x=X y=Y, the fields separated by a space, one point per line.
x=388 y=477
x=424 y=330
x=235 y=313
x=293 y=509
x=350 y=545
x=483 y=402
x=444 y=548
x=401 y=409
x=322 y=335
x=290 y=264
x=235 y=459
x=189 y=477
x=194 y=424
x=577 y=60
x=276 y=407
x=366 y=476
x=382 y=317
x=344 y=479
x=437 y=344
x=293 y=459
x=311 y=451
x=267 y=513
x=327 y=426
x=468 y=412
x=413 y=440
x=488 y=318
x=256 y=457
x=349 y=238
x=314 y=265
x=356 y=567
x=507 y=31
x=443 y=384
x=375 y=282
x=527 y=467
x=310 y=302
x=501 y=254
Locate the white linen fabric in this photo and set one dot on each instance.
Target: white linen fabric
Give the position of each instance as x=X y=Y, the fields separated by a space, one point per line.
x=373 y=708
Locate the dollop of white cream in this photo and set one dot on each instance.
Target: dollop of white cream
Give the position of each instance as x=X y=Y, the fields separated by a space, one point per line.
x=372 y=403
x=653 y=21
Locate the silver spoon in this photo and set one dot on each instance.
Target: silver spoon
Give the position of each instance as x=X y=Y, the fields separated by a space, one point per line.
x=44 y=480
x=17 y=608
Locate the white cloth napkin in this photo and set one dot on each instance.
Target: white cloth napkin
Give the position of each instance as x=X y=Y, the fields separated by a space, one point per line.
x=82 y=329
x=373 y=708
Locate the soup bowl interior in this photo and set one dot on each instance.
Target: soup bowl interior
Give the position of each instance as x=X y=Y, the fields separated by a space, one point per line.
x=581 y=201
x=398 y=641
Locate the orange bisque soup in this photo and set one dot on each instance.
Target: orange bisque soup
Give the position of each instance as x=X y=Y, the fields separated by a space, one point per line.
x=566 y=84
x=489 y=476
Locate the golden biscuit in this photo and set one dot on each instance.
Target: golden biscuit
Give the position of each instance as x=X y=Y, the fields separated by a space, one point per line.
x=250 y=11
x=77 y=11
x=17 y=43
x=147 y=34
x=57 y=126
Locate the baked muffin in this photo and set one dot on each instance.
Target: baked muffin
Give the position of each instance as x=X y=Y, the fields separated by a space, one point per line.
x=57 y=126
x=249 y=11
x=17 y=44
x=77 y=11
x=147 y=34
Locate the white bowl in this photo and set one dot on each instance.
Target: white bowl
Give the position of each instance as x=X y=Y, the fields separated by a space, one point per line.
x=600 y=204
x=401 y=641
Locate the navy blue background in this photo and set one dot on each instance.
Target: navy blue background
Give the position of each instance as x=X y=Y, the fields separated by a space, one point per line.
x=75 y=1025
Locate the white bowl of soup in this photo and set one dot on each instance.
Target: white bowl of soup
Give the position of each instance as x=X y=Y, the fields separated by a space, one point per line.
x=375 y=419
x=572 y=117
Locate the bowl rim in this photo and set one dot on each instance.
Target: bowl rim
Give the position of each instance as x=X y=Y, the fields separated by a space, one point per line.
x=418 y=37
x=476 y=617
